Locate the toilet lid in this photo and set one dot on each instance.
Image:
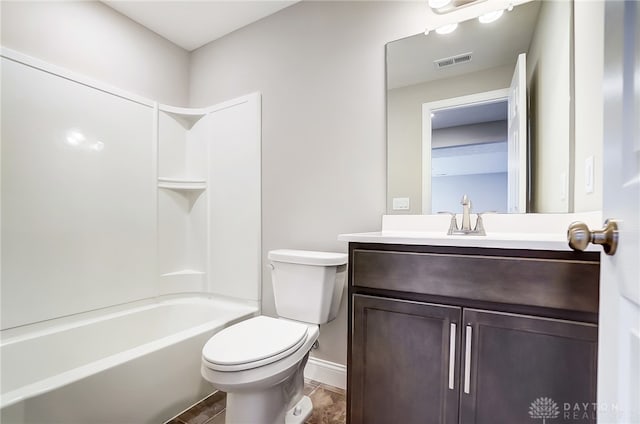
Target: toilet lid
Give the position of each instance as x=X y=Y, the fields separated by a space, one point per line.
x=255 y=342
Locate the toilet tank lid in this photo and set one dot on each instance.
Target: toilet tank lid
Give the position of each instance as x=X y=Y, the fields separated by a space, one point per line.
x=308 y=257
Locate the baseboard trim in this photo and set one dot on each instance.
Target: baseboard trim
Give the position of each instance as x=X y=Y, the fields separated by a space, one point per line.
x=326 y=372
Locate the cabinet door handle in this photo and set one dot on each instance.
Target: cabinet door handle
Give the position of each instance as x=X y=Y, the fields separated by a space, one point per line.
x=467 y=359
x=452 y=354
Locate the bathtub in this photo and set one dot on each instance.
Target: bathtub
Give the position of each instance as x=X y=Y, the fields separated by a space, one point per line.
x=133 y=365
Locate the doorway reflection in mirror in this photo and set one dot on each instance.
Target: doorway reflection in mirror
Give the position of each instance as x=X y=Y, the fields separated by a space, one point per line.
x=469 y=150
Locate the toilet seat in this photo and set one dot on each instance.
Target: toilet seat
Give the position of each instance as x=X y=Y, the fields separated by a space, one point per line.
x=253 y=343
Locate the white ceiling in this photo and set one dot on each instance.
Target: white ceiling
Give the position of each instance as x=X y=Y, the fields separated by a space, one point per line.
x=410 y=60
x=484 y=158
x=192 y=24
x=469 y=114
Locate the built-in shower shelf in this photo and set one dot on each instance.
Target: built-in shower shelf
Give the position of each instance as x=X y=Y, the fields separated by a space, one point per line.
x=182 y=184
x=187 y=117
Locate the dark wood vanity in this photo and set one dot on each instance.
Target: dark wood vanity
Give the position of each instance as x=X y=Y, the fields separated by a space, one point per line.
x=470 y=335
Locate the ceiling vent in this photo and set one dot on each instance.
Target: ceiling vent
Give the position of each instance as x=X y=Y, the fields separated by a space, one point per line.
x=453 y=60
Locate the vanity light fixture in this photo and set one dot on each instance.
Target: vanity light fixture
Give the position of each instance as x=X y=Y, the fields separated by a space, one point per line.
x=491 y=16
x=447 y=29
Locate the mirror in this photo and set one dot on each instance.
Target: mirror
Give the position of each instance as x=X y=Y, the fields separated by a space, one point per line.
x=457 y=122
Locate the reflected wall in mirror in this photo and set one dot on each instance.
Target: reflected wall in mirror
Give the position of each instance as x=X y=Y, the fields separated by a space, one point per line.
x=469 y=149
x=521 y=62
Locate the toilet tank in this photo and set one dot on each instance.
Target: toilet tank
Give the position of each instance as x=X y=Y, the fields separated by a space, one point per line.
x=308 y=285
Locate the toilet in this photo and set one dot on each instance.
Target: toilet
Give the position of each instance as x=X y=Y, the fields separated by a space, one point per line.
x=260 y=362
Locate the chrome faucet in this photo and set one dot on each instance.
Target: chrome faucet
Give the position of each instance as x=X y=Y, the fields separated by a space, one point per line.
x=466 y=229
x=466 y=211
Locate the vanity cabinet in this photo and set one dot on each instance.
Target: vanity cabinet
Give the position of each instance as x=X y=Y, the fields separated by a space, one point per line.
x=511 y=360
x=400 y=362
x=470 y=335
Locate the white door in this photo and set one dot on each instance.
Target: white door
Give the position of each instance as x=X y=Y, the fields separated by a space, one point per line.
x=619 y=332
x=517 y=139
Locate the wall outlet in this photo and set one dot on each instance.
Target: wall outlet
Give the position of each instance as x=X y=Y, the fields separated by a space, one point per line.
x=400 y=204
x=588 y=175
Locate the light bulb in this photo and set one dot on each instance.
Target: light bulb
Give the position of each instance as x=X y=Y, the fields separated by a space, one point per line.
x=491 y=16
x=437 y=4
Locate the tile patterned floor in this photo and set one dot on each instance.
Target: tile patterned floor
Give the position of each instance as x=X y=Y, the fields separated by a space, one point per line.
x=329 y=404
x=329 y=407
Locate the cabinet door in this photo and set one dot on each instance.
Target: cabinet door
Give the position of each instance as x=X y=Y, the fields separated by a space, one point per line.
x=404 y=363
x=521 y=369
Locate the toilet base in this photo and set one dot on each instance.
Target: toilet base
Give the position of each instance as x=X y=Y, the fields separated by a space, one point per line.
x=265 y=409
x=300 y=412
x=274 y=404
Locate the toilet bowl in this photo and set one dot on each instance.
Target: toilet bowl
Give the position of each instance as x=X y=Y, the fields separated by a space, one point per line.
x=260 y=362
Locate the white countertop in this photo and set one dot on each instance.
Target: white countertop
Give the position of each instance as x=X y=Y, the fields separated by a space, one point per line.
x=497 y=240
x=525 y=231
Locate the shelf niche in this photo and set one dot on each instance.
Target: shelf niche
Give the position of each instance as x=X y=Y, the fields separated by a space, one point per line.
x=182 y=184
x=184 y=116
x=189 y=189
x=182 y=199
x=209 y=159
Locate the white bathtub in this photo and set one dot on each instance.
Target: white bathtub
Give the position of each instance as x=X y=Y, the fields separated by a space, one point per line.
x=135 y=365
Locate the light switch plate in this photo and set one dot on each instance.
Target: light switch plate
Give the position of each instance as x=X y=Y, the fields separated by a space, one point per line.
x=563 y=186
x=400 y=203
x=588 y=175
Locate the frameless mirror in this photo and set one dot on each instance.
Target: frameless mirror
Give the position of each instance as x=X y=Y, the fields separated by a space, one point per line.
x=485 y=111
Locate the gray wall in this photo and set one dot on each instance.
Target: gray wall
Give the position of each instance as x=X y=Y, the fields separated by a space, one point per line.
x=588 y=74
x=96 y=41
x=321 y=69
x=548 y=71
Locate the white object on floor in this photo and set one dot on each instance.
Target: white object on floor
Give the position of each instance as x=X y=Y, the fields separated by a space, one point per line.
x=300 y=412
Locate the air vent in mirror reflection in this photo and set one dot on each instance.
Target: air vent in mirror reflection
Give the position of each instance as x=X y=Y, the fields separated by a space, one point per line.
x=453 y=60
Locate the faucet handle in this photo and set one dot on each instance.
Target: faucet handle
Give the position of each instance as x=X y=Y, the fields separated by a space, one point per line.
x=453 y=225
x=480 y=224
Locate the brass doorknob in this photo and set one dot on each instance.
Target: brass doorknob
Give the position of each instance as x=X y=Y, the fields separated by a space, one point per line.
x=580 y=236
